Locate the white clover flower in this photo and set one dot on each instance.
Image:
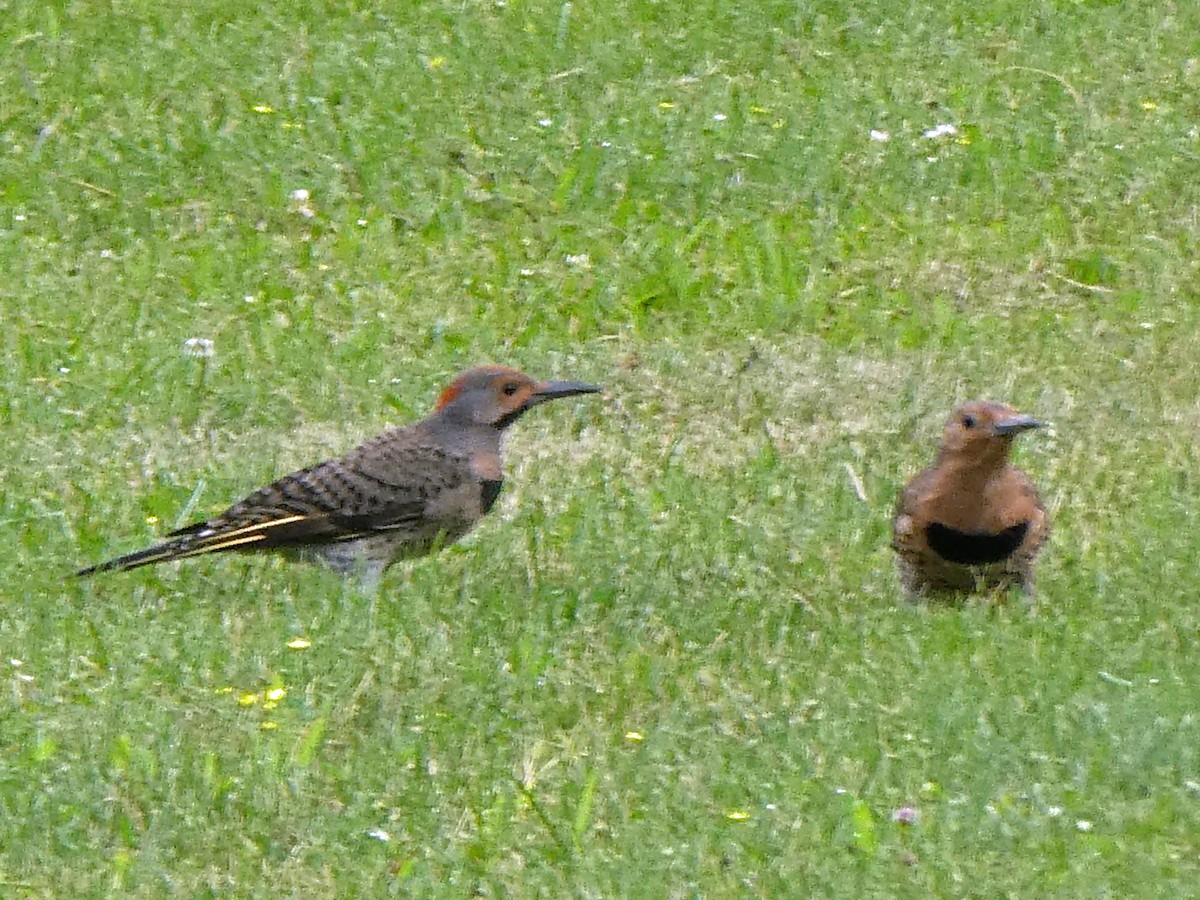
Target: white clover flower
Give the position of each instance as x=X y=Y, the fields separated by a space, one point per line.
x=943 y=130
x=299 y=199
x=198 y=347
x=879 y=136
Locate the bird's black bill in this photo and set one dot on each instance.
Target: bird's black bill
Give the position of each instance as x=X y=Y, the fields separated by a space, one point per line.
x=1017 y=424
x=552 y=390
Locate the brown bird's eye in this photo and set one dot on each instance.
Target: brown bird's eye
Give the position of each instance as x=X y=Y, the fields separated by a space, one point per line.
x=968 y=421
x=510 y=388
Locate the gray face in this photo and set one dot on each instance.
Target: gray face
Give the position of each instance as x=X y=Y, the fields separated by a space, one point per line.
x=499 y=396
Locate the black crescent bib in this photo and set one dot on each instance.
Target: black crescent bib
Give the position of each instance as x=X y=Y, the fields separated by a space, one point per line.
x=974 y=548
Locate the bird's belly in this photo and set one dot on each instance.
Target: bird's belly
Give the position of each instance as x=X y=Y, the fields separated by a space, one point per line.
x=974 y=548
x=373 y=553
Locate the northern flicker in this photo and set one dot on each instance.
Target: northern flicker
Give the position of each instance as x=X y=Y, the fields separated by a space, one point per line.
x=972 y=521
x=401 y=494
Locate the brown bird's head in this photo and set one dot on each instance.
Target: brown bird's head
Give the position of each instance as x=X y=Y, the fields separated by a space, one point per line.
x=497 y=395
x=984 y=431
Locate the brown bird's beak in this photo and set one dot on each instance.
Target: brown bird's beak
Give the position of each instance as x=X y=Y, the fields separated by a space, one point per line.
x=1017 y=424
x=553 y=390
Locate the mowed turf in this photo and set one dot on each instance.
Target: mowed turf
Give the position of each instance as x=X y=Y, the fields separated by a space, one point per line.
x=675 y=660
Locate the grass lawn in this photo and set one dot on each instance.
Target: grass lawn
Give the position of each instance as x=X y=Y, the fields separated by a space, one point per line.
x=675 y=661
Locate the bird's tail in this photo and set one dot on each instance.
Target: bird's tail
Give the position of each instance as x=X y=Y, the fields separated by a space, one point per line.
x=173 y=549
x=288 y=530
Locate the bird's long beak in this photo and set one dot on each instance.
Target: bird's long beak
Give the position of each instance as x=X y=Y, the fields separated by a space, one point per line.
x=553 y=390
x=1017 y=424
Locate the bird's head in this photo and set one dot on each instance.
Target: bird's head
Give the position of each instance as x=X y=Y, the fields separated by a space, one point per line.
x=497 y=395
x=984 y=431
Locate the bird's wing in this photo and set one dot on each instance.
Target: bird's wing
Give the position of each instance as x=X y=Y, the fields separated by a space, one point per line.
x=341 y=499
x=1033 y=511
x=906 y=536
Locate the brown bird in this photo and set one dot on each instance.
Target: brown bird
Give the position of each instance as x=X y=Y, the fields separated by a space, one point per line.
x=402 y=494
x=972 y=521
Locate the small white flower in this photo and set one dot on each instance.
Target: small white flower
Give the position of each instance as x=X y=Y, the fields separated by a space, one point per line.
x=199 y=347
x=64 y=370
x=1083 y=825
x=943 y=130
x=545 y=123
x=1054 y=811
x=250 y=298
x=299 y=198
x=606 y=143
x=16 y=663
x=578 y=260
x=379 y=834
x=719 y=117
x=19 y=217
x=107 y=254
x=881 y=137
x=362 y=221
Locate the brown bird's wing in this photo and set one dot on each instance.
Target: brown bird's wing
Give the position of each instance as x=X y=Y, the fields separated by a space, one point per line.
x=905 y=535
x=1026 y=495
x=374 y=488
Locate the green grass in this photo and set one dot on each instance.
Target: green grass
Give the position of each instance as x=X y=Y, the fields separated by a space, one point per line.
x=675 y=661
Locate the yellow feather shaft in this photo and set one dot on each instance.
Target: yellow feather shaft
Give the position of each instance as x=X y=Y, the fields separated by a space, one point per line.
x=220 y=545
x=275 y=523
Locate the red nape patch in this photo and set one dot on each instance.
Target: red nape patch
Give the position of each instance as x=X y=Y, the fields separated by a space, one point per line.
x=450 y=394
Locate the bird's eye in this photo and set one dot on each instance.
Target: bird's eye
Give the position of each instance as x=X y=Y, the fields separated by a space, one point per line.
x=968 y=421
x=510 y=388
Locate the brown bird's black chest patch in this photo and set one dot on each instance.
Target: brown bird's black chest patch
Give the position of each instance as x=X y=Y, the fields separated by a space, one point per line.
x=974 y=548
x=490 y=491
